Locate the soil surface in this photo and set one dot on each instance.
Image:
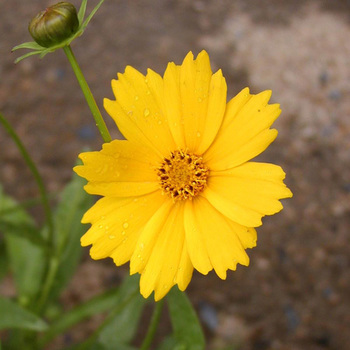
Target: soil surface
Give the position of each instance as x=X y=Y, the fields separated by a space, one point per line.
x=296 y=292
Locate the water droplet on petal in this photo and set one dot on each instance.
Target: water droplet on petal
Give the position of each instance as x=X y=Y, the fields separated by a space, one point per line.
x=198 y=134
x=142 y=246
x=136 y=98
x=199 y=99
x=146 y=112
x=123 y=233
x=159 y=122
x=111 y=236
x=130 y=113
x=125 y=225
x=100 y=226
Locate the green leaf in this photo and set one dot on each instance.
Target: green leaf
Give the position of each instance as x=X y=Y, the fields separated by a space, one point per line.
x=96 y=305
x=125 y=314
x=24 y=230
x=4 y=266
x=68 y=230
x=171 y=343
x=121 y=325
x=14 y=316
x=25 y=257
x=186 y=326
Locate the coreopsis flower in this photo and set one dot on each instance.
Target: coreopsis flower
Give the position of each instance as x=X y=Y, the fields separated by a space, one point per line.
x=181 y=192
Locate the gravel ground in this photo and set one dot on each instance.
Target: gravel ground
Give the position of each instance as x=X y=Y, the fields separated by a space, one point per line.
x=295 y=294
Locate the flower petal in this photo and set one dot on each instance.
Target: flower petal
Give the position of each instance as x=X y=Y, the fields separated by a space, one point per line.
x=195 y=102
x=247 y=193
x=159 y=252
x=137 y=112
x=245 y=131
x=121 y=169
x=197 y=249
x=116 y=225
x=220 y=239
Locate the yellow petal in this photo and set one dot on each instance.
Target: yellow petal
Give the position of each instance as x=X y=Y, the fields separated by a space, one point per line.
x=212 y=119
x=197 y=249
x=185 y=270
x=195 y=102
x=222 y=243
x=149 y=237
x=137 y=112
x=116 y=225
x=121 y=169
x=245 y=131
x=247 y=193
x=172 y=104
x=164 y=260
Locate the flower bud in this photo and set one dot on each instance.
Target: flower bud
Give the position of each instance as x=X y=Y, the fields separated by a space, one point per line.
x=54 y=25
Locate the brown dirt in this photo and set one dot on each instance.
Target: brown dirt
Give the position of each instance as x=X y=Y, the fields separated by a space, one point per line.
x=295 y=294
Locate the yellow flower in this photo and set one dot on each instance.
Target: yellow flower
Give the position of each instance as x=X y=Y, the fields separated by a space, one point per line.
x=180 y=192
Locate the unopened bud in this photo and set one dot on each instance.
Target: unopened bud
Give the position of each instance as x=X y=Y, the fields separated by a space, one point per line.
x=54 y=25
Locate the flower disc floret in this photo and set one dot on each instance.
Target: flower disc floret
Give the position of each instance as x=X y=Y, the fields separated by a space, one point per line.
x=183 y=175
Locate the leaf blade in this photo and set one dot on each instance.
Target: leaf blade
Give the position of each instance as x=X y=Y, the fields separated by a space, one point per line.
x=186 y=326
x=14 y=316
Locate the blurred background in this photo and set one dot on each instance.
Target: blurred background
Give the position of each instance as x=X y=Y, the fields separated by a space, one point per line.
x=296 y=292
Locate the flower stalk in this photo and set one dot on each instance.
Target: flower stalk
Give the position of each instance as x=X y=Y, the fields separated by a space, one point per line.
x=88 y=95
x=31 y=165
x=153 y=325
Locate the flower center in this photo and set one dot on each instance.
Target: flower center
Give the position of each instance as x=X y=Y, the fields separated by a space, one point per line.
x=183 y=175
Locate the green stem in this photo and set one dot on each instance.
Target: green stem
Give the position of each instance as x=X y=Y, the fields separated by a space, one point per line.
x=88 y=95
x=153 y=325
x=37 y=177
x=92 y=339
x=50 y=277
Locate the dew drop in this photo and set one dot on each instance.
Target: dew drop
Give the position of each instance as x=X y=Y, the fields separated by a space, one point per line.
x=136 y=98
x=165 y=286
x=123 y=233
x=198 y=134
x=111 y=236
x=130 y=113
x=142 y=246
x=146 y=112
x=159 y=122
x=199 y=99
x=100 y=226
x=125 y=225
x=139 y=256
x=125 y=239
